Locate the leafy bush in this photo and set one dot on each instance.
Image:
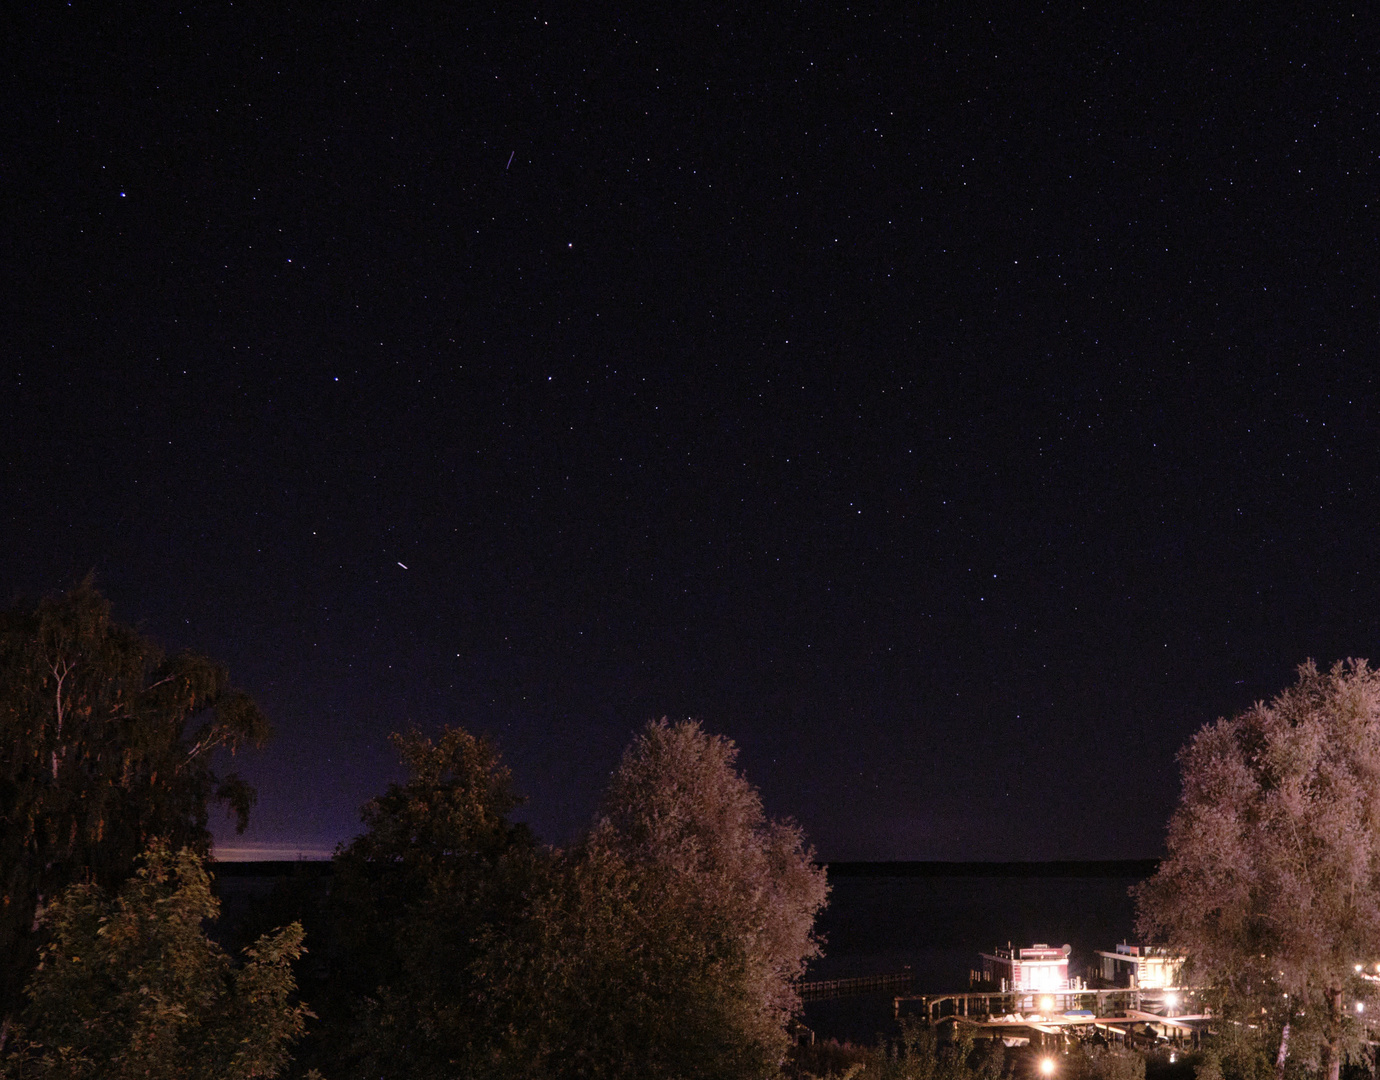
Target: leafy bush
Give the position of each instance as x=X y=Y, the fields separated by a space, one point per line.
x=920 y=1053
x=132 y=987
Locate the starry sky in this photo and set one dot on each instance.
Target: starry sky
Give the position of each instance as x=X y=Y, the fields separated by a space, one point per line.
x=955 y=409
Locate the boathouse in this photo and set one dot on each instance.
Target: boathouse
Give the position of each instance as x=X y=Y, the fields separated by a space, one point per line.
x=1037 y=969
x=1140 y=967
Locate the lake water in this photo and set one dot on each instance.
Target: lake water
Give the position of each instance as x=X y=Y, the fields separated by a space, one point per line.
x=939 y=924
x=879 y=922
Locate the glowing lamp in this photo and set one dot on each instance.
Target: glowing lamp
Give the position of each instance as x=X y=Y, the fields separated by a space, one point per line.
x=1360 y=1006
x=1171 y=1000
x=1047 y=1005
x=1047 y=1066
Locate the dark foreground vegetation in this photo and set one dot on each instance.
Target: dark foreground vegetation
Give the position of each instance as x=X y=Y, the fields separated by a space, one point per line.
x=920 y=1052
x=668 y=942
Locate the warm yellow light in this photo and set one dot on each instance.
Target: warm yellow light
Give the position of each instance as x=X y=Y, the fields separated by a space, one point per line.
x=1360 y=1006
x=1046 y=1005
x=1171 y=1000
x=1358 y=967
x=1046 y=1066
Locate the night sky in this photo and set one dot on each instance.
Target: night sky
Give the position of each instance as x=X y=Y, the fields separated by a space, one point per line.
x=955 y=411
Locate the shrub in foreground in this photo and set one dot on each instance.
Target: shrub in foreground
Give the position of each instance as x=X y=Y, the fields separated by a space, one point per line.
x=131 y=986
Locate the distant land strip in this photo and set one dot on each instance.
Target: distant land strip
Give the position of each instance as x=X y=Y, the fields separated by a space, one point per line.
x=266 y=868
x=1066 y=868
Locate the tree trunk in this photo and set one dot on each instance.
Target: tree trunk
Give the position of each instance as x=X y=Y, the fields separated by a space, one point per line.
x=1332 y=1056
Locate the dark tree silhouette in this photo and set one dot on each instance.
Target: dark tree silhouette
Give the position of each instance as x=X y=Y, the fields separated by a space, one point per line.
x=439 y=871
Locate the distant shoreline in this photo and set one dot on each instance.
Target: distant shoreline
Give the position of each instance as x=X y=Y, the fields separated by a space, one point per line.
x=1063 y=868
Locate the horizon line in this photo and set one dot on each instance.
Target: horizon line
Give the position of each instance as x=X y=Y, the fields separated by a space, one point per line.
x=233 y=853
x=251 y=853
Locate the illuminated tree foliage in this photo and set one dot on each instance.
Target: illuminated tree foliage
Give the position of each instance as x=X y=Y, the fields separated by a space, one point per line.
x=678 y=806
x=132 y=987
x=619 y=971
x=105 y=743
x=1271 y=887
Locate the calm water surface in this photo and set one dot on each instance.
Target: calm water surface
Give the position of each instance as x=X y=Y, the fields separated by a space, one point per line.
x=939 y=925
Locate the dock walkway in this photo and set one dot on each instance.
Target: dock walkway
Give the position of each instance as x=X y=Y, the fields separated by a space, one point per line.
x=819 y=989
x=1175 y=1013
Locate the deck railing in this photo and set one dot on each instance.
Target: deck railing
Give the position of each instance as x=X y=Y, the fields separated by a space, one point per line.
x=1098 y=1002
x=818 y=989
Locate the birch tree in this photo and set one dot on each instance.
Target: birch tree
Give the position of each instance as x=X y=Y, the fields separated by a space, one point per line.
x=1271 y=887
x=105 y=744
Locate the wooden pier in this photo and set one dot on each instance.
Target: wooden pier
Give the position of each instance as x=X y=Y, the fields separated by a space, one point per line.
x=978 y=1005
x=1176 y=1011
x=820 y=989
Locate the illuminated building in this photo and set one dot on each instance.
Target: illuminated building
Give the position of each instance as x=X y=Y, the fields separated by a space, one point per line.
x=1033 y=970
x=1140 y=967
